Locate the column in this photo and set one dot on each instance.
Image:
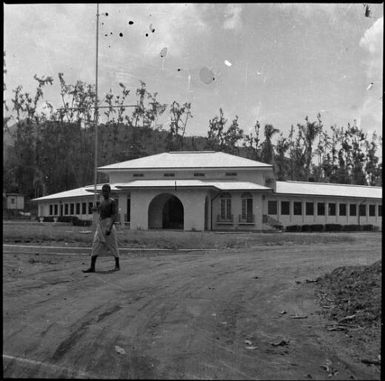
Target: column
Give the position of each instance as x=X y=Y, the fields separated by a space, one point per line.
x=122 y=206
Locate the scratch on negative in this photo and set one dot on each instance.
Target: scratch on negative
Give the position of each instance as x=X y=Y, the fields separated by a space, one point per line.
x=51 y=366
x=111 y=284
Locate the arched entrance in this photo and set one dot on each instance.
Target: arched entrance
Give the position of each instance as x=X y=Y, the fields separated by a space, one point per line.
x=166 y=212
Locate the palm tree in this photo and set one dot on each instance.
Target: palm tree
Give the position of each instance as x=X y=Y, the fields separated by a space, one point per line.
x=267 y=152
x=310 y=131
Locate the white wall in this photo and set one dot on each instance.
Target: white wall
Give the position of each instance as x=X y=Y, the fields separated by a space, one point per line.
x=256 y=175
x=17 y=204
x=236 y=211
x=193 y=206
x=122 y=206
x=303 y=219
x=44 y=207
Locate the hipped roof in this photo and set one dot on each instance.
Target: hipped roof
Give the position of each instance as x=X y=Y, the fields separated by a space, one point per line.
x=187 y=160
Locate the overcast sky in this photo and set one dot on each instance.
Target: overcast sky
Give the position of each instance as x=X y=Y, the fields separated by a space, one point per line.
x=275 y=63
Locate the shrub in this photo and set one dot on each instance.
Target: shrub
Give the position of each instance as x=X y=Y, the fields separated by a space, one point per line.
x=368 y=228
x=306 y=228
x=76 y=221
x=46 y=219
x=316 y=228
x=293 y=228
x=65 y=219
x=333 y=227
x=352 y=228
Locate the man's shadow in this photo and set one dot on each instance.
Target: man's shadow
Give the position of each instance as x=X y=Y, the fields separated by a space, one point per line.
x=105 y=271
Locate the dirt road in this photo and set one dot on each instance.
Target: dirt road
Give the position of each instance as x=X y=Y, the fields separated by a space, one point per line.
x=226 y=314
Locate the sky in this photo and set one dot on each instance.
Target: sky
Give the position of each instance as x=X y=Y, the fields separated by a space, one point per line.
x=272 y=62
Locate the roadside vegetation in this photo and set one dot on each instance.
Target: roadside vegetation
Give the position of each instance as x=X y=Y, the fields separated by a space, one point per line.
x=350 y=297
x=63 y=233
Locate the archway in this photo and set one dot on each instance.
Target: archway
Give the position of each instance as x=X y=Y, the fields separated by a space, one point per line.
x=165 y=212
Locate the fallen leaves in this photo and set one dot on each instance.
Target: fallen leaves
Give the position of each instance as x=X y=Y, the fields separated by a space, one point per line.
x=371 y=362
x=250 y=345
x=329 y=369
x=120 y=350
x=280 y=343
x=298 y=316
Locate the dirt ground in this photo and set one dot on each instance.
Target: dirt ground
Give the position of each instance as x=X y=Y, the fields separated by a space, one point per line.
x=249 y=313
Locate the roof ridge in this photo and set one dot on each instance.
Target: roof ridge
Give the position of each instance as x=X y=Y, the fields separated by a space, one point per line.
x=178 y=152
x=336 y=184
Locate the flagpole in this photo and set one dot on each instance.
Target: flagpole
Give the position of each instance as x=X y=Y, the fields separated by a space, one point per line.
x=96 y=109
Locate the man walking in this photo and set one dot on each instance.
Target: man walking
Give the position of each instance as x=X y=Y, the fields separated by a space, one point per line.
x=105 y=241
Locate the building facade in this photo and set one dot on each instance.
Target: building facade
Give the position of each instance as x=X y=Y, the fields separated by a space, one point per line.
x=217 y=191
x=14 y=201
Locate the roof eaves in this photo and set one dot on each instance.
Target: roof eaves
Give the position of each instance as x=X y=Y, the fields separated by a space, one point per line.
x=323 y=195
x=101 y=169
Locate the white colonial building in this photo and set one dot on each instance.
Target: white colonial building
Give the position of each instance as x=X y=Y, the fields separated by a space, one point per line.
x=217 y=191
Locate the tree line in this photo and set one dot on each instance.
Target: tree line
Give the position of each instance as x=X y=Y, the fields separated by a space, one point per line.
x=52 y=149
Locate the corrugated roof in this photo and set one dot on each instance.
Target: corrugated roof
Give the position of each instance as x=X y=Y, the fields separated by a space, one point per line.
x=221 y=185
x=187 y=159
x=78 y=192
x=282 y=187
x=327 y=189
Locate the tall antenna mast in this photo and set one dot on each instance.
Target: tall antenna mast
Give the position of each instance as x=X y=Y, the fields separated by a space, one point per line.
x=96 y=103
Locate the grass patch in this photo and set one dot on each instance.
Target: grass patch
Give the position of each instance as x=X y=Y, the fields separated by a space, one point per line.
x=50 y=233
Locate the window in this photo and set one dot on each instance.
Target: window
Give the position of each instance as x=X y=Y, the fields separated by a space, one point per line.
x=231 y=174
x=56 y=208
x=226 y=206
x=199 y=174
x=297 y=206
x=128 y=214
x=90 y=208
x=65 y=209
x=72 y=208
x=352 y=210
x=78 y=208
x=320 y=208
x=247 y=206
x=169 y=174
x=285 y=207
x=331 y=209
x=84 y=208
x=380 y=210
x=51 y=210
x=362 y=210
x=372 y=210
x=342 y=209
x=272 y=207
x=12 y=200
x=138 y=175
x=310 y=208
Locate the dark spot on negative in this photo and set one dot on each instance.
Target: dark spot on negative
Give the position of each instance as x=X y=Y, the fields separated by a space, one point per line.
x=121 y=34
x=146 y=34
x=130 y=22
